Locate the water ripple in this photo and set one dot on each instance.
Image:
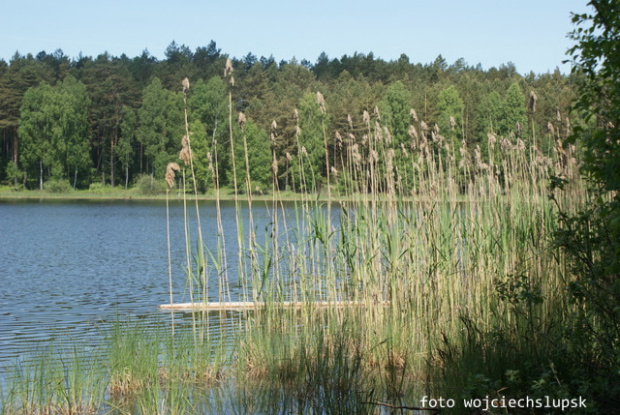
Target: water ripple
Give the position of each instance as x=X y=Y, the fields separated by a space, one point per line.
x=68 y=269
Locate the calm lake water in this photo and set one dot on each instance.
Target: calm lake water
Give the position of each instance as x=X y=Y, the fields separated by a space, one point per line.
x=67 y=268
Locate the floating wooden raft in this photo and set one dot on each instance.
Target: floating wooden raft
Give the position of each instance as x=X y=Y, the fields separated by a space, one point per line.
x=259 y=304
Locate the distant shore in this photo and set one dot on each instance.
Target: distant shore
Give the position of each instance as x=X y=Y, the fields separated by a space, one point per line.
x=132 y=194
x=225 y=194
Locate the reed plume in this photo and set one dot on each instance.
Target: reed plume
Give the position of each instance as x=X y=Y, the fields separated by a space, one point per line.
x=186 y=152
x=321 y=101
x=171 y=170
x=228 y=68
x=366 y=118
x=241 y=119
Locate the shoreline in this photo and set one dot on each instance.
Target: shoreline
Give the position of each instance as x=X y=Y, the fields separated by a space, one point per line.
x=132 y=195
x=32 y=195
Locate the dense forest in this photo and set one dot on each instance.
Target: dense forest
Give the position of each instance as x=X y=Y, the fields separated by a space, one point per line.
x=108 y=120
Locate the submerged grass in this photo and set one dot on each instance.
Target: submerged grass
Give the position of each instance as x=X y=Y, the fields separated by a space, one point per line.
x=155 y=370
x=53 y=382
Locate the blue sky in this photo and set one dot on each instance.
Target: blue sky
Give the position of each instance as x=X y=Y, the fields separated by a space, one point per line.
x=529 y=33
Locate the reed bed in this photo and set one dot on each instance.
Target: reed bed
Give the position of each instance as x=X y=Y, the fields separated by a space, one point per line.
x=456 y=244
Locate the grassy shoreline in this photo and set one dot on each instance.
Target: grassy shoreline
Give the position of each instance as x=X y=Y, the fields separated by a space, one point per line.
x=225 y=195
x=119 y=194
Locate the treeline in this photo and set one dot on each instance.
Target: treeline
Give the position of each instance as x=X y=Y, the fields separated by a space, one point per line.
x=110 y=119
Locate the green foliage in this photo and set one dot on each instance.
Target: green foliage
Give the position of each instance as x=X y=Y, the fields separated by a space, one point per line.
x=111 y=90
x=489 y=114
x=208 y=118
x=125 y=146
x=98 y=188
x=309 y=162
x=120 y=146
x=450 y=121
x=513 y=111
x=202 y=148
x=592 y=237
x=14 y=175
x=54 y=131
x=34 y=131
x=74 y=128
x=160 y=126
x=57 y=186
x=395 y=112
x=259 y=156
x=519 y=289
x=147 y=185
x=209 y=103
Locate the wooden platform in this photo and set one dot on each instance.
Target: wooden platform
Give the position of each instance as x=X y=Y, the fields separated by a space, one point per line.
x=259 y=304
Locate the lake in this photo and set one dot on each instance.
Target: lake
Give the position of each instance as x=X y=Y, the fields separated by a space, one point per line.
x=67 y=268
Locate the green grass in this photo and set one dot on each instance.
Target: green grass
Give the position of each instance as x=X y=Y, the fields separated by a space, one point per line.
x=120 y=193
x=54 y=382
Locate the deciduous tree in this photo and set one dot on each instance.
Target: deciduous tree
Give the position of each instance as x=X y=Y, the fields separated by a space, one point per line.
x=54 y=131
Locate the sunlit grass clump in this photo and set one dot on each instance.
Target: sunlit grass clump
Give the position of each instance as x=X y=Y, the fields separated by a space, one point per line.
x=53 y=382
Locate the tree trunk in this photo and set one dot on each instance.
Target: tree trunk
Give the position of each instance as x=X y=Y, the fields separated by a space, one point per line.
x=126 y=176
x=15 y=147
x=15 y=151
x=112 y=170
x=40 y=174
x=102 y=165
